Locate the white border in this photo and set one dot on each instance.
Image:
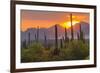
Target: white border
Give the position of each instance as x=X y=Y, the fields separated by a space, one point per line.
x=20 y=65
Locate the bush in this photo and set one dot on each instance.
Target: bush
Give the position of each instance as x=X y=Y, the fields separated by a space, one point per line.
x=32 y=53
x=74 y=50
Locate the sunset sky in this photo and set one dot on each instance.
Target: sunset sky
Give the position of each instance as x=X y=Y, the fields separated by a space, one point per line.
x=46 y=19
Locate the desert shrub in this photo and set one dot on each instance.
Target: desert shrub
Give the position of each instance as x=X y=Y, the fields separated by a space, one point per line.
x=33 y=53
x=76 y=50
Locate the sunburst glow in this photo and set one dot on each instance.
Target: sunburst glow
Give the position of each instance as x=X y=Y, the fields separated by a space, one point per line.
x=68 y=23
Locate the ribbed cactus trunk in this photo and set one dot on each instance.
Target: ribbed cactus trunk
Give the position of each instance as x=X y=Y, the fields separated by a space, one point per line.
x=29 y=41
x=56 y=41
x=45 y=40
x=66 y=38
x=23 y=44
x=72 y=36
x=81 y=33
x=61 y=43
x=35 y=38
x=62 y=38
x=80 y=28
x=37 y=34
x=78 y=36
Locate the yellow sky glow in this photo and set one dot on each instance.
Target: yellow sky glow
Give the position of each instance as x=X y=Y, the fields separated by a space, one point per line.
x=68 y=23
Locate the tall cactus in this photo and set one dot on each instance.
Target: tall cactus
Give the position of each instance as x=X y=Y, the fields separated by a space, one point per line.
x=45 y=40
x=66 y=37
x=72 y=36
x=61 y=43
x=56 y=41
x=29 y=38
x=81 y=33
x=80 y=28
x=37 y=34
x=62 y=38
x=23 y=45
x=35 y=37
x=78 y=36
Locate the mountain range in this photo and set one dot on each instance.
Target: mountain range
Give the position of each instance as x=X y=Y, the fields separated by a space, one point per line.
x=50 y=32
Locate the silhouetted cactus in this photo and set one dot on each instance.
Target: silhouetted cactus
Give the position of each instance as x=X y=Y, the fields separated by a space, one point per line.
x=72 y=36
x=24 y=44
x=61 y=43
x=56 y=52
x=81 y=33
x=29 y=41
x=63 y=38
x=66 y=37
x=45 y=40
x=35 y=38
x=78 y=36
x=37 y=34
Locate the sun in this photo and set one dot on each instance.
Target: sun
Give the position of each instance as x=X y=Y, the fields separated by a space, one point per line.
x=68 y=23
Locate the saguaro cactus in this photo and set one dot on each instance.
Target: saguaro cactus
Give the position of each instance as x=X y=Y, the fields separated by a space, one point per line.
x=81 y=33
x=62 y=38
x=45 y=40
x=56 y=41
x=66 y=37
x=37 y=34
x=72 y=36
x=35 y=37
x=29 y=38
x=61 y=43
x=23 y=45
x=78 y=36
